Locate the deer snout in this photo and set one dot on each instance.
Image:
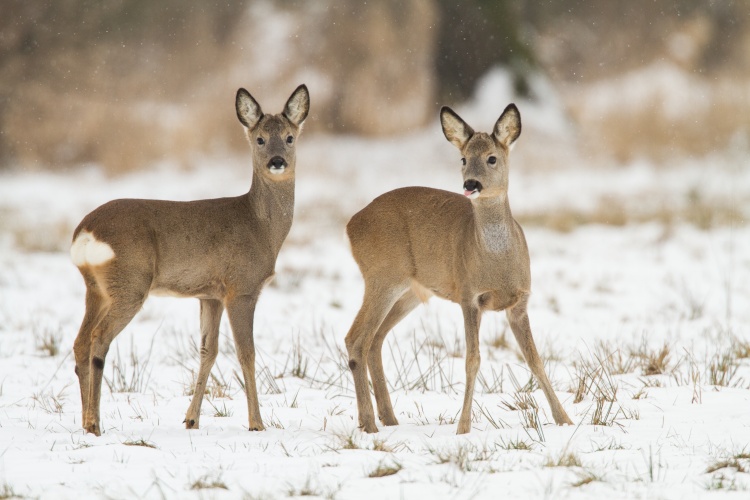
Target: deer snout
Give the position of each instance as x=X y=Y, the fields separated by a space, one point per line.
x=472 y=188
x=277 y=164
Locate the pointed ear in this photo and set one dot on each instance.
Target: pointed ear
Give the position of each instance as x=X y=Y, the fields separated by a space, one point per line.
x=457 y=131
x=298 y=105
x=508 y=126
x=248 y=109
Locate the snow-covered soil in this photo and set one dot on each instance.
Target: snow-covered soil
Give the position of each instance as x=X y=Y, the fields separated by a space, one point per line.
x=606 y=302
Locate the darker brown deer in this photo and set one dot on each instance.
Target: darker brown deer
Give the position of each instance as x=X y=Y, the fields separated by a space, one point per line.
x=221 y=251
x=416 y=242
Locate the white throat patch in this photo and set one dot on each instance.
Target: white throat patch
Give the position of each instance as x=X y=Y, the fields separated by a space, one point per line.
x=496 y=237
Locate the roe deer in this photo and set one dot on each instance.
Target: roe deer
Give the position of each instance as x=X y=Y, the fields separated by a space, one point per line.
x=221 y=251
x=415 y=242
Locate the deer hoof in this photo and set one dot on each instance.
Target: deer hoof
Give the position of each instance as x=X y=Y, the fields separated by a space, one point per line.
x=93 y=429
x=463 y=428
x=369 y=428
x=564 y=420
x=256 y=427
x=389 y=420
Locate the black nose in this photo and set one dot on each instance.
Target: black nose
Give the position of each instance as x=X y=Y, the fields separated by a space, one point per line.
x=277 y=162
x=472 y=185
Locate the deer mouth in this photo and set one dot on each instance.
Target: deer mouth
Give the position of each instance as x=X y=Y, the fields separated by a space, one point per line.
x=472 y=189
x=277 y=165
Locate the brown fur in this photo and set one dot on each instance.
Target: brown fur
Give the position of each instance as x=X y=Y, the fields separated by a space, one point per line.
x=417 y=241
x=221 y=251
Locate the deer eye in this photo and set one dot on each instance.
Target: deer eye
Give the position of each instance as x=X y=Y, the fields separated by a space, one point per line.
x=260 y=141
x=289 y=139
x=491 y=160
x=463 y=161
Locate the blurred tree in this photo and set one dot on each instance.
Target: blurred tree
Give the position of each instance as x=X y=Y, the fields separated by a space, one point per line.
x=379 y=56
x=476 y=35
x=584 y=40
x=62 y=60
x=122 y=83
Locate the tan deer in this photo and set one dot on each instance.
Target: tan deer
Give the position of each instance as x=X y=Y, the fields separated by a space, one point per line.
x=222 y=251
x=415 y=242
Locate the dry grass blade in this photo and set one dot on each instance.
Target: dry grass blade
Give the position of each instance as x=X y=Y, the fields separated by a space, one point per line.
x=298 y=360
x=464 y=456
x=208 y=482
x=139 y=442
x=597 y=380
x=731 y=463
x=134 y=378
x=585 y=477
x=653 y=362
x=740 y=348
x=515 y=444
x=565 y=459
x=524 y=402
x=383 y=470
x=221 y=412
x=496 y=423
x=47 y=340
x=493 y=386
x=722 y=370
x=7 y=492
x=50 y=402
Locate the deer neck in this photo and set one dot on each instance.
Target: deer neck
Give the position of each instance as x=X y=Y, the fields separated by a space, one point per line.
x=494 y=223
x=272 y=203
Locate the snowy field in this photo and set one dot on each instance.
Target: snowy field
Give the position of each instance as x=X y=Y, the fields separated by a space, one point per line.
x=643 y=326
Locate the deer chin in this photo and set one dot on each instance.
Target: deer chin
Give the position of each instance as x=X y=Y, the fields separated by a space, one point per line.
x=277 y=170
x=472 y=195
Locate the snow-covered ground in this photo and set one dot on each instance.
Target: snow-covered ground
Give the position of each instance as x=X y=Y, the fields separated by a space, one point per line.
x=607 y=300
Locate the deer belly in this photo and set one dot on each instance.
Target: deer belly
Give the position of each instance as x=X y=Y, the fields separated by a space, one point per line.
x=204 y=290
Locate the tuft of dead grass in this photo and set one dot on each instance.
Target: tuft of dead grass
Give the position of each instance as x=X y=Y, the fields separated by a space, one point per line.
x=139 y=442
x=385 y=470
x=740 y=465
x=585 y=477
x=209 y=482
x=722 y=370
x=47 y=340
x=7 y=492
x=652 y=362
x=566 y=458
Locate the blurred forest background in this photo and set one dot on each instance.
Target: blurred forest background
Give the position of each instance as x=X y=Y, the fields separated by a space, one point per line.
x=125 y=83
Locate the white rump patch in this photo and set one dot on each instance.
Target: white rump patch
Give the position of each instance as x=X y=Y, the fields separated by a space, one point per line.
x=496 y=237
x=87 y=250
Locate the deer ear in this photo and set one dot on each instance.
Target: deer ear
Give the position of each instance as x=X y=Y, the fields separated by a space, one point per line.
x=457 y=131
x=248 y=109
x=298 y=105
x=508 y=126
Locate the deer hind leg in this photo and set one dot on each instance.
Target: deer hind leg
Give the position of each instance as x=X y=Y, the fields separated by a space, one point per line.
x=96 y=308
x=519 y=324
x=241 y=310
x=400 y=309
x=211 y=311
x=122 y=309
x=377 y=302
x=472 y=319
